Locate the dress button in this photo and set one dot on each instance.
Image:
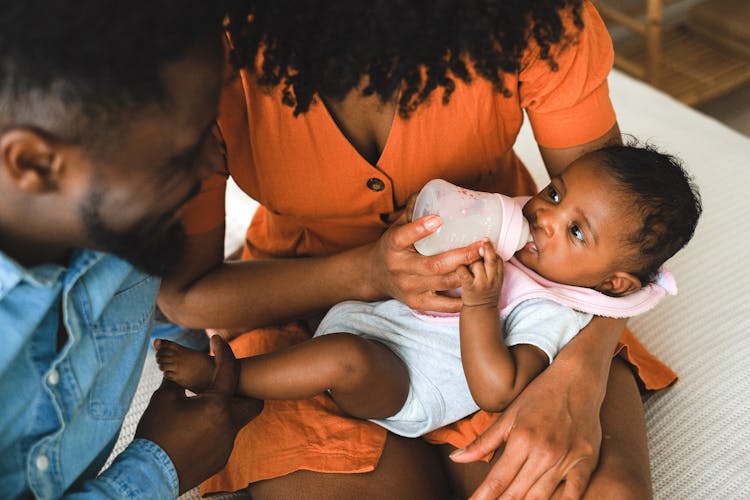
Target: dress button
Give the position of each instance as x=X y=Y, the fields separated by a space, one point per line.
x=375 y=184
x=42 y=462
x=54 y=377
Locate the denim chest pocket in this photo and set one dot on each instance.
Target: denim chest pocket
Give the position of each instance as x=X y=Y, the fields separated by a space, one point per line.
x=120 y=337
x=130 y=309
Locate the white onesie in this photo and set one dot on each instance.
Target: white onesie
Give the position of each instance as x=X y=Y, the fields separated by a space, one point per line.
x=438 y=392
x=430 y=348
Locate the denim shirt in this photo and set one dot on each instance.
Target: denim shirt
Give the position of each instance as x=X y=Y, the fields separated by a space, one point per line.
x=61 y=410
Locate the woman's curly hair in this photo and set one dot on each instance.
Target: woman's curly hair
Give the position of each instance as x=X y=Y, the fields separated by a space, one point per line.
x=325 y=47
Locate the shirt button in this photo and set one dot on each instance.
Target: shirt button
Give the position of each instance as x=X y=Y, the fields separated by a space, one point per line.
x=54 y=377
x=375 y=184
x=42 y=462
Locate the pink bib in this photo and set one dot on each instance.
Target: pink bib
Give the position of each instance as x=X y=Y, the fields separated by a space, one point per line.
x=521 y=283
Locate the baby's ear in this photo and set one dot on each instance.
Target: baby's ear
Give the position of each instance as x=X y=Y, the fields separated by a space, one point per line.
x=620 y=284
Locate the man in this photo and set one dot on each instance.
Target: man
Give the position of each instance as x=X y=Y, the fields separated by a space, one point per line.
x=104 y=110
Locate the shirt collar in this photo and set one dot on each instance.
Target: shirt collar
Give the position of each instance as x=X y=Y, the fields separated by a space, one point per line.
x=43 y=275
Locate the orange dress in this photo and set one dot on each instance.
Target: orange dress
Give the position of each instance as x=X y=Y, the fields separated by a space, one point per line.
x=319 y=196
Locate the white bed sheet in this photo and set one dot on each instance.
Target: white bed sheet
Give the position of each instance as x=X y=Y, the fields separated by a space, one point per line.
x=699 y=429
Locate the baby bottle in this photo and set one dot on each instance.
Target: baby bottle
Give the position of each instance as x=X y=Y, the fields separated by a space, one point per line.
x=468 y=216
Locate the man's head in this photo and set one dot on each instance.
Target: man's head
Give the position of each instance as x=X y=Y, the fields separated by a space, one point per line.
x=611 y=219
x=105 y=109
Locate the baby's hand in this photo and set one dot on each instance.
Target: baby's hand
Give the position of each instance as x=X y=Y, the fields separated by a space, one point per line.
x=481 y=281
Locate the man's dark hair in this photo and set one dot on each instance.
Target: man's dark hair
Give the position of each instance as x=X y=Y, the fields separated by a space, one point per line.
x=666 y=201
x=325 y=47
x=68 y=67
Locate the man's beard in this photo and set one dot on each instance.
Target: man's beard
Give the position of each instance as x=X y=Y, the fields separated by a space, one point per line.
x=153 y=246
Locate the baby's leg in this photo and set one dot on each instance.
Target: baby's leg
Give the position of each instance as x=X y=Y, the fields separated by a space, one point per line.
x=187 y=367
x=365 y=378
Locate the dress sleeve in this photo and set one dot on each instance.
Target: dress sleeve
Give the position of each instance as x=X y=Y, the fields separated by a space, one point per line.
x=142 y=470
x=570 y=105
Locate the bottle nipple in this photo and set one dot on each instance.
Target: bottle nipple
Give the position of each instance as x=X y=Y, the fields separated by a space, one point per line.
x=525 y=235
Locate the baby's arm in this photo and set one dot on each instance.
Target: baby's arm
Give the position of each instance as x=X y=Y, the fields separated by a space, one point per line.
x=495 y=374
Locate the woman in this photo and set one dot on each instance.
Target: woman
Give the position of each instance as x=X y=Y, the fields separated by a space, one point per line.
x=341 y=111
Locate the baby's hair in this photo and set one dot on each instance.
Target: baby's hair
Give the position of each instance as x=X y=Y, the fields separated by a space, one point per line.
x=666 y=199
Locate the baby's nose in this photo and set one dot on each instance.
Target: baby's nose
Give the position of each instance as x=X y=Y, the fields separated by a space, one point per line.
x=544 y=220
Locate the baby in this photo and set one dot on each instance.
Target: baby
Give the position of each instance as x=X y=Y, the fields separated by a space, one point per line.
x=601 y=232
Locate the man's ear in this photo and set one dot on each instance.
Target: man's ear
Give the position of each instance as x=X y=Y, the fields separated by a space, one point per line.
x=620 y=284
x=30 y=160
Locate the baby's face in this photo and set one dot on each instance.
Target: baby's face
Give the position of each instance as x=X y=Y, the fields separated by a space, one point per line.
x=579 y=224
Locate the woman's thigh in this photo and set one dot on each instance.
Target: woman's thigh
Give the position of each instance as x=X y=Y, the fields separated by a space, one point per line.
x=623 y=470
x=408 y=468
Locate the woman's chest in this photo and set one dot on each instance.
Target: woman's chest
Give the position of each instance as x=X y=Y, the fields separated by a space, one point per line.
x=344 y=159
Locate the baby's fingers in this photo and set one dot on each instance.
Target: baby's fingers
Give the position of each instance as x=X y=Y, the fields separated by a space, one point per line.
x=479 y=271
x=490 y=260
x=489 y=255
x=464 y=275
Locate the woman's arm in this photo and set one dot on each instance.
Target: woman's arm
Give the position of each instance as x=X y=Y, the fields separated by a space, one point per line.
x=555 y=160
x=552 y=430
x=207 y=292
x=494 y=373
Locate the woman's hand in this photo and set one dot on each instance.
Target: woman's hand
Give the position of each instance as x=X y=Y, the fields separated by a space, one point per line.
x=398 y=271
x=551 y=433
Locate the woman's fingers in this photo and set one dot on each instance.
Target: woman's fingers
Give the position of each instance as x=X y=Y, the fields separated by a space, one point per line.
x=512 y=475
x=403 y=236
x=398 y=271
x=409 y=209
x=487 y=442
x=545 y=486
x=439 y=303
x=448 y=262
x=464 y=275
x=508 y=483
x=577 y=480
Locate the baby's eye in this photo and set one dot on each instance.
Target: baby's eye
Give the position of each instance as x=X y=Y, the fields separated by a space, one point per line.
x=576 y=232
x=552 y=193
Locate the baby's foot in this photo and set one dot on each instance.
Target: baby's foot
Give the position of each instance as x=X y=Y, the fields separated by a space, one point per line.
x=187 y=367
